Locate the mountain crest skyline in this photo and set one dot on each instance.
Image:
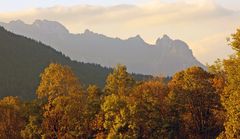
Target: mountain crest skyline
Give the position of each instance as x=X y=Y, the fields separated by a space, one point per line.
x=166 y=57
x=41 y=23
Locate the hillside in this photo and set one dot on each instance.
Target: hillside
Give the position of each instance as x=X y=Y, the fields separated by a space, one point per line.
x=166 y=57
x=22 y=60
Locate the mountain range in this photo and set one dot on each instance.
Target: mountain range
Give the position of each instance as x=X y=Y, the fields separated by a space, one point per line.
x=165 y=57
x=22 y=61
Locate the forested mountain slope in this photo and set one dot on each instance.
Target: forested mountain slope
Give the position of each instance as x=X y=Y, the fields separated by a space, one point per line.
x=22 y=60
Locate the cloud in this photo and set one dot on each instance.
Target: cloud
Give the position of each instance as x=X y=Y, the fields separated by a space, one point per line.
x=157 y=12
x=212 y=47
x=198 y=22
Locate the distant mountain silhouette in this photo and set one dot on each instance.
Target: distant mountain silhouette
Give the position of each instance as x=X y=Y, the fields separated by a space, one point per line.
x=22 y=60
x=165 y=57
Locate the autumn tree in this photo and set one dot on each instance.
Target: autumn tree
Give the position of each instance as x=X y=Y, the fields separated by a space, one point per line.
x=116 y=115
x=33 y=112
x=93 y=120
x=118 y=86
x=57 y=80
x=94 y=99
x=11 y=119
x=231 y=94
x=33 y=129
x=62 y=112
x=197 y=100
x=119 y=82
x=148 y=110
x=219 y=75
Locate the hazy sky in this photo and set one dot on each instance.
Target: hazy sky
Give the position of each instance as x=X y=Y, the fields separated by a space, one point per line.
x=13 y=5
x=203 y=24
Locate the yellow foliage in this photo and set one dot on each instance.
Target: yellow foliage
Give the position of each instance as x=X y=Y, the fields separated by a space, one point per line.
x=57 y=80
x=231 y=94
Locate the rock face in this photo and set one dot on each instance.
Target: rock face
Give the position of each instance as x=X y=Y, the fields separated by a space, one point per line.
x=165 y=57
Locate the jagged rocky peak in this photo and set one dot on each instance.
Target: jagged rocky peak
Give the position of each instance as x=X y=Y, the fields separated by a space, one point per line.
x=177 y=46
x=16 y=22
x=164 y=40
x=181 y=43
x=166 y=37
x=136 y=38
x=87 y=31
x=93 y=35
x=50 y=26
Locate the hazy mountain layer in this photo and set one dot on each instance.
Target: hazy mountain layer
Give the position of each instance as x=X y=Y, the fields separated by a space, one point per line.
x=165 y=57
x=22 y=60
